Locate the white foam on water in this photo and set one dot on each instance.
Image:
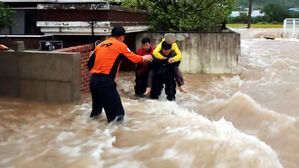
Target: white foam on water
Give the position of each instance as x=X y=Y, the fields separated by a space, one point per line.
x=73 y=151
x=255 y=56
x=65 y=135
x=240 y=97
x=221 y=134
x=31 y=158
x=287 y=39
x=5 y=161
x=279 y=64
x=126 y=164
x=256 y=119
x=182 y=159
x=82 y=107
x=6 y=110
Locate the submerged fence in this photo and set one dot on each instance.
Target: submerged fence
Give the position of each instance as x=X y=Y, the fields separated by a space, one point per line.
x=291 y=28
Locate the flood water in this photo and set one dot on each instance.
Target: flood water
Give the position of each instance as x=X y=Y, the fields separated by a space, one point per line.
x=247 y=120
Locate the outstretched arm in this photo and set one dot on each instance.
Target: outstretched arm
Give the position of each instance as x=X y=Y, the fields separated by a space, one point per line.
x=132 y=56
x=149 y=82
x=178 y=76
x=179 y=79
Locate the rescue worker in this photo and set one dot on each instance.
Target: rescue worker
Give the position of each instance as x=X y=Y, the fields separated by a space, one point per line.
x=107 y=57
x=143 y=68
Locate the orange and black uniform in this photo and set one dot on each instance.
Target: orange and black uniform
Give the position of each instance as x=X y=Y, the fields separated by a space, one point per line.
x=108 y=56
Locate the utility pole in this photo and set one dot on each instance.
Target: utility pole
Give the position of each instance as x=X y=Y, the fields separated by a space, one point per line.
x=249 y=14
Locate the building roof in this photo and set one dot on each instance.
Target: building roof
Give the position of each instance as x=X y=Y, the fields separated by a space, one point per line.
x=79 y=20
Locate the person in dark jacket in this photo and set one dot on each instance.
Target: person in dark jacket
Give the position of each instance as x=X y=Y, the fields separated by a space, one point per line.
x=165 y=72
x=143 y=68
x=169 y=38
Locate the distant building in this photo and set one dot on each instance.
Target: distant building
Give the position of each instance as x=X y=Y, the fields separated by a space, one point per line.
x=255 y=13
x=39 y=23
x=235 y=14
x=294 y=9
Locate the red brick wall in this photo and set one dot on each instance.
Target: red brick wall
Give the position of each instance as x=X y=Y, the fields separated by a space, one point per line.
x=85 y=51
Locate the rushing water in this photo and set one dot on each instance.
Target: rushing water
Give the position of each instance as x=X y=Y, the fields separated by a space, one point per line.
x=249 y=120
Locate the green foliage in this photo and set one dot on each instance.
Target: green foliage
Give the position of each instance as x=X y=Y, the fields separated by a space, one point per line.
x=294 y=15
x=244 y=3
x=239 y=19
x=6 y=15
x=275 y=12
x=183 y=15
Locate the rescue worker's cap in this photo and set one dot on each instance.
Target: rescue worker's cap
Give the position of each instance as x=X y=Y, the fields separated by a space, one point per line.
x=166 y=46
x=170 y=38
x=118 y=31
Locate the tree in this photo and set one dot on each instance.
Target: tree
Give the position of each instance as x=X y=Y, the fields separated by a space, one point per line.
x=275 y=12
x=6 y=15
x=183 y=15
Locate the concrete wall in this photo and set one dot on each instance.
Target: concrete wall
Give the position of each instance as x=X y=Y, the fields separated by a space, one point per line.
x=44 y=76
x=4 y=30
x=85 y=51
x=18 y=26
x=204 y=52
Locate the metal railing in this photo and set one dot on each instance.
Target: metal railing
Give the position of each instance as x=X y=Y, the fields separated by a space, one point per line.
x=291 y=28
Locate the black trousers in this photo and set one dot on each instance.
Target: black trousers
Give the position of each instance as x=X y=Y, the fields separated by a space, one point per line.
x=104 y=94
x=170 y=88
x=140 y=84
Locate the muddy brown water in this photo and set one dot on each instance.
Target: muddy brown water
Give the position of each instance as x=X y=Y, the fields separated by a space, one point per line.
x=224 y=121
